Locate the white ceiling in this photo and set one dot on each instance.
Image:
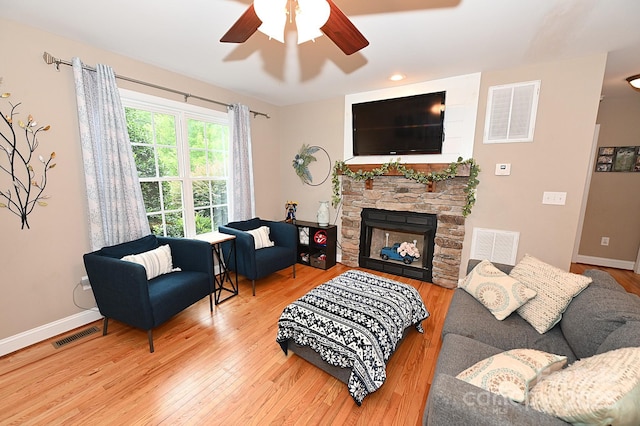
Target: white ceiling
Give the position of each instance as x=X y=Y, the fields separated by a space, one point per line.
x=423 y=39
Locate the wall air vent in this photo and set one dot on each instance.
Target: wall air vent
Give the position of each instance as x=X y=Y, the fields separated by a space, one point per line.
x=511 y=112
x=494 y=245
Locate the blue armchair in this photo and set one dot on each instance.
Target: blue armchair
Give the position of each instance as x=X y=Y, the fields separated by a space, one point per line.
x=123 y=292
x=255 y=264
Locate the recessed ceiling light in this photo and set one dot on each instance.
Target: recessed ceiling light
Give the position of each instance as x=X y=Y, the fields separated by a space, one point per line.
x=397 y=77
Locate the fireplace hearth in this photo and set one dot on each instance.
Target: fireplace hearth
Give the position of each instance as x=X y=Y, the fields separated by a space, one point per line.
x=381 y=229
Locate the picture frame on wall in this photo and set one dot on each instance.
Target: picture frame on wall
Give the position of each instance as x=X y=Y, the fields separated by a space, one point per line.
x=618 y=159
x=624 y=158
x=603 y=167
x=607 y=150
x=605 y=159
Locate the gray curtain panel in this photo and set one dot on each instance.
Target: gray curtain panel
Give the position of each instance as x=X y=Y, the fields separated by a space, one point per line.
x=116 y=207
x=242 y=200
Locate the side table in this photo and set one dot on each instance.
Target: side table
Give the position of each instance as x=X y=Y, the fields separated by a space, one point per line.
x=223 y=276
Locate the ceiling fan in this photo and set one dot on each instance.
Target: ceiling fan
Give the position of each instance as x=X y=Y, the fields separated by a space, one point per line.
x=313 y=18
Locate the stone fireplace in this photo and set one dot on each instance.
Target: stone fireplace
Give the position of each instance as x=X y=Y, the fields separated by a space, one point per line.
x=445 y=200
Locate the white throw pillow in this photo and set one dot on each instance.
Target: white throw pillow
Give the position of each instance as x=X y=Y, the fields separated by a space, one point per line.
x=512 y=373
x=555 y=287
x=601 y=390
x=497 y=291
x=261 y=237
x=156 y=262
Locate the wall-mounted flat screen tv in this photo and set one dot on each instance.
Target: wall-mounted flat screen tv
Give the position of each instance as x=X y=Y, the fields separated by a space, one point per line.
x=399 y=126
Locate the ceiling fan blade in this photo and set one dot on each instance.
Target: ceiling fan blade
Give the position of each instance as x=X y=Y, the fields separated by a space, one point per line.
x=243 y=28
x=342 y=31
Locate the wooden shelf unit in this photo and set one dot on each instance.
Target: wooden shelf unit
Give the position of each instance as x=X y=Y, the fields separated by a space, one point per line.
x=316 y=252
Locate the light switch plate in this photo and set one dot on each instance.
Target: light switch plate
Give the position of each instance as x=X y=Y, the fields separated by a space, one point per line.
x=503 y=169
x=556 y=198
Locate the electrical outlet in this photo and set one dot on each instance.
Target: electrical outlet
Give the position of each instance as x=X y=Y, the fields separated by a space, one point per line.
x=604 y=241
x=84 y=281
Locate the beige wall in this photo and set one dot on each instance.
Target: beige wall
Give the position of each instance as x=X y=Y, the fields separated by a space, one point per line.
x=557 y=159
x=613 y=207
x=40 y=267
x=320 y=124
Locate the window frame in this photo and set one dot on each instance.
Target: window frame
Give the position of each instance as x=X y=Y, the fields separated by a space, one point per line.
x=183 y=112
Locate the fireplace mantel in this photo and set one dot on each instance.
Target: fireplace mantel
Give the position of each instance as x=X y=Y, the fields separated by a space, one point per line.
x=463 y=169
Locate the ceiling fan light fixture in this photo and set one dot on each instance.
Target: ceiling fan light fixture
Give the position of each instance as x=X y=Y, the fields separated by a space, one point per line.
x=634 y=81
x=273 y=15
x=313 y=19
x=311 y=15
x=307 y=33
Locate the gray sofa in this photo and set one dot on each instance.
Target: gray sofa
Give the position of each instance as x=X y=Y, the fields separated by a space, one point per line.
x=601 y=318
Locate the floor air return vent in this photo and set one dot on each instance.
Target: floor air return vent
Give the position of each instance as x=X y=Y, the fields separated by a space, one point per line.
x=76 y=336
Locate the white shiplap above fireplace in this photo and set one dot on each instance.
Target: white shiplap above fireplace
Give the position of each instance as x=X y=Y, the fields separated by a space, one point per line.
x=459 y=118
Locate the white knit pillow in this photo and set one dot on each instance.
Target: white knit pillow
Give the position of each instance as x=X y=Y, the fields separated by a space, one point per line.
x=261 y=237
x=512 y=373
x=497 y=291
x=601 y=390
x=555 y=287
x=156 y=262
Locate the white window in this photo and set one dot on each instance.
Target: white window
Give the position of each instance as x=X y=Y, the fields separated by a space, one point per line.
x=182 y=156
x=511 y=112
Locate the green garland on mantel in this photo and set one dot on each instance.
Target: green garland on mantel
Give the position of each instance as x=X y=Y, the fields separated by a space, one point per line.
x=449 y=173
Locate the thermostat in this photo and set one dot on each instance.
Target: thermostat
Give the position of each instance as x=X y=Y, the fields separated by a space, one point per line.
x=503 y=169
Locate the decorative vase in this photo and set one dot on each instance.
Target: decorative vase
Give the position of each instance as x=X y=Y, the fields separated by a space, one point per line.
x=323 y=213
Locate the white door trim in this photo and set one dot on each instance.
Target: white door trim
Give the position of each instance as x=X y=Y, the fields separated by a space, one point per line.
x=585 y=197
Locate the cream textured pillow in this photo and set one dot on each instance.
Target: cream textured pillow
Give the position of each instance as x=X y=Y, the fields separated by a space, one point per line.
x=555 y=287
x=156 y=262
x=261 y=237
x=497 y=291
x=601 y=390
x=512 y=373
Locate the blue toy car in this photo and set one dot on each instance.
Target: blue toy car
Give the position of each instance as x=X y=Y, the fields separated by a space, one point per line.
x=392 y=253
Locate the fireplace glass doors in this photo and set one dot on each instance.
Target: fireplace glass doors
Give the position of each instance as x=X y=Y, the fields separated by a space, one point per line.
x=397 y=242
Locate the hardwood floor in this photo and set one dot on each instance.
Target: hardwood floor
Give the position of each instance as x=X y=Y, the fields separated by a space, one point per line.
x=220 y=368
x=626 y=278
x=208 y=368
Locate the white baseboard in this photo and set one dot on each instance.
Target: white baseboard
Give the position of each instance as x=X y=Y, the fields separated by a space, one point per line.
x=602 y=261
x=44 y=332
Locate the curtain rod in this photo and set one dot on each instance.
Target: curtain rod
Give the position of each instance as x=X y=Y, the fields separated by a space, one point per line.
x=49 y=59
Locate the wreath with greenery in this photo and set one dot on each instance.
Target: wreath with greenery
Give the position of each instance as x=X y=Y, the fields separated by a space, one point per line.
x=301 y=162
x=449 y=173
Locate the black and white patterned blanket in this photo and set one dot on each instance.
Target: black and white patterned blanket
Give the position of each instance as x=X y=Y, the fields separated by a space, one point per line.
x=354 y=321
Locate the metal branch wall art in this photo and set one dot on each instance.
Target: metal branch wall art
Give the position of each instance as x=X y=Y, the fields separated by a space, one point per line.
x=23 y=174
